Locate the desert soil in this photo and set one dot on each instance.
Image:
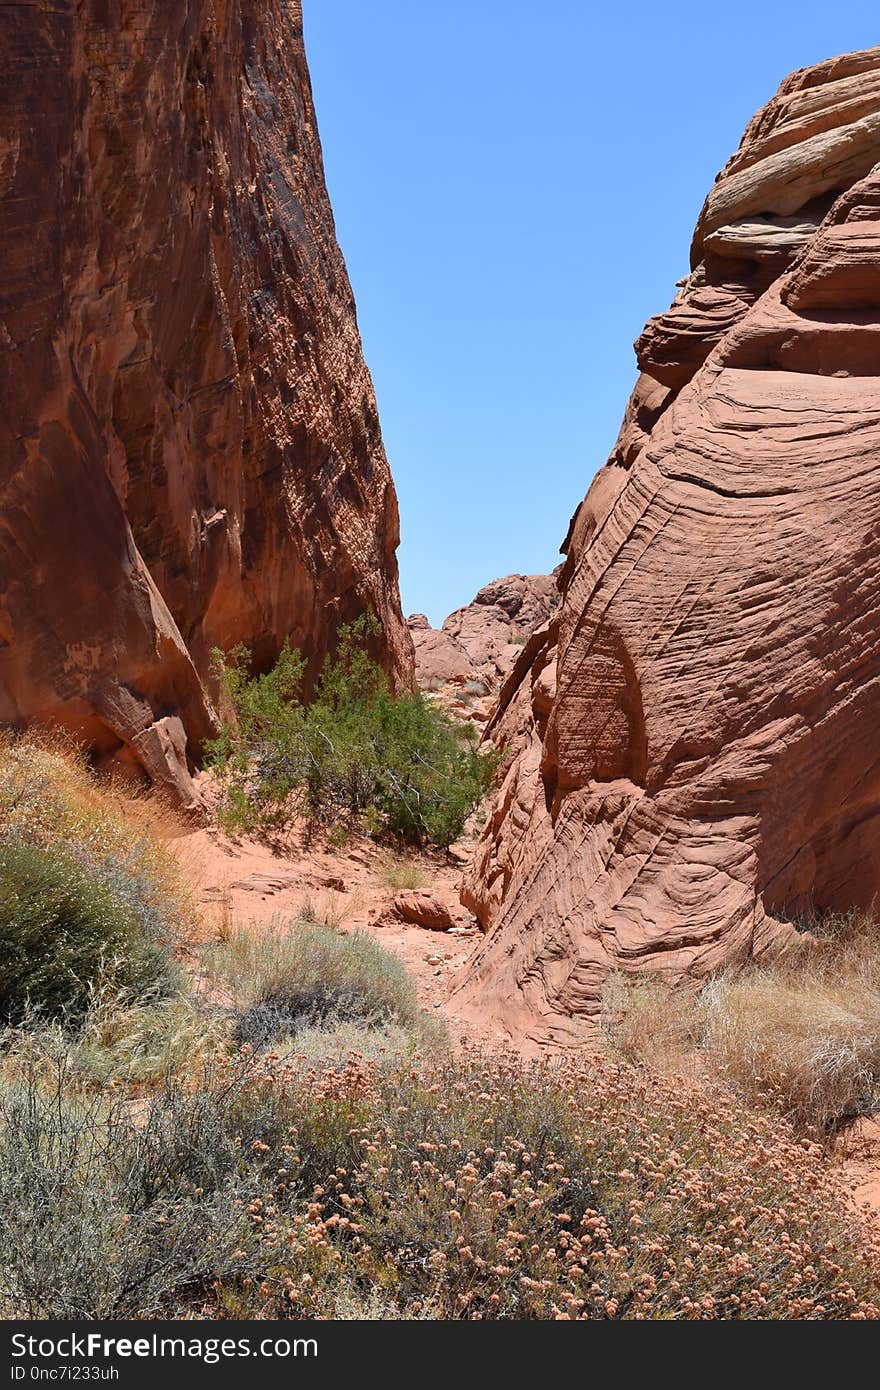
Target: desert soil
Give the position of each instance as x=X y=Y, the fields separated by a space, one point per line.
x=243 y=879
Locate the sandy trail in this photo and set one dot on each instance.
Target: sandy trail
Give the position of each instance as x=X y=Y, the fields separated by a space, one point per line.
x=243 y=880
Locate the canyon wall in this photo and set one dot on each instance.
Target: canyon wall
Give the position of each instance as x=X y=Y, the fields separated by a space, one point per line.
x=190 y=452
x=691 y=742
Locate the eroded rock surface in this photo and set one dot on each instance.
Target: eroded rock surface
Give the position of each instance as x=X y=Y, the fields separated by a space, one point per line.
x=470 y=656
x=691 y=741
x=190 y=452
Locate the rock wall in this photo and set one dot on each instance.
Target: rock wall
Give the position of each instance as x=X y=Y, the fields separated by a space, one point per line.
x=691 y=742
x=481 y=641
x=190 y=452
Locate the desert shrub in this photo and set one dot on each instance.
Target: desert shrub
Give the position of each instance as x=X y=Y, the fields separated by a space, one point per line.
x=90 y=899
x=461 y=1187
x=49 y=797
x=395 y=762
x=486 y=1188
x=65 y=925
x=105 y=1215
x=305 y=980
x=800 y=1034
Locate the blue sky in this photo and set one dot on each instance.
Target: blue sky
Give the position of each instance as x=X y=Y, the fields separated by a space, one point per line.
x=515 y=186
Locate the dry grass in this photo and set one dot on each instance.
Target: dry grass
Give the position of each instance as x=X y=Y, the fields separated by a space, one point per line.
x=118 y=1044
x=49 y=796
x=247 y=960
x=327 y=995
x=327 y=911
x=801 y=1035
x=651 y=1024
x=402 y=873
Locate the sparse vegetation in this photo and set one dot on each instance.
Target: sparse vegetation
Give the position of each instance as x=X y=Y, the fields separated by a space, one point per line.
x=86 y=901
x=801 y=1035
x=289 y=980
x=403 y=873
x=63 y=927
x=651 y=1023
x=139 y=1045
x=49 y=797
x=105 y=1213
x=459 y=1188
x=294 y=1138
x=391 y=763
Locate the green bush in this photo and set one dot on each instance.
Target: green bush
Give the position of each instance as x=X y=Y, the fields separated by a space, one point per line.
x=50 y=797
x=66 y=925
x=393 y=762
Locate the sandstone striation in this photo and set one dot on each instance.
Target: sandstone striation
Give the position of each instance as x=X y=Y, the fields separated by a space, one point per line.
x=690 y=741
x=190 y=452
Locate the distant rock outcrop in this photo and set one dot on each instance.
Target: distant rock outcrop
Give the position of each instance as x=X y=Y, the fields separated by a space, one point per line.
x=190 y=452
x=478 y=645
x=691 y=741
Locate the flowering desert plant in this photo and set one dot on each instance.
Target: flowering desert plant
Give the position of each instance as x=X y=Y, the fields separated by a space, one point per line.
x=463 y=1187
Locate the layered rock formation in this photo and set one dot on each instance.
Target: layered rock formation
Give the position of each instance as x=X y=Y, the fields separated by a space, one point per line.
x=190 y=451
x=478 y=644
x=691 y=741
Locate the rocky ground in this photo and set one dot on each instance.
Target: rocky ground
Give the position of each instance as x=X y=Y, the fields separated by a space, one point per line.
x=355 y=887
x=411 y=902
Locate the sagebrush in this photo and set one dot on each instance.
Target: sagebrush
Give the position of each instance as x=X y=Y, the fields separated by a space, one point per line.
x=88 y=901
x=305 y=981
x=63 y=927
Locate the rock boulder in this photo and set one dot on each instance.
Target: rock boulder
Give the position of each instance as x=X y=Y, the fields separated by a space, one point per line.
x=190 y=452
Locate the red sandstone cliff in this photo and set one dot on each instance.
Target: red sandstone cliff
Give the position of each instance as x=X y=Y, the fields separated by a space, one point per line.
x=691 y=741
x=190 y=452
